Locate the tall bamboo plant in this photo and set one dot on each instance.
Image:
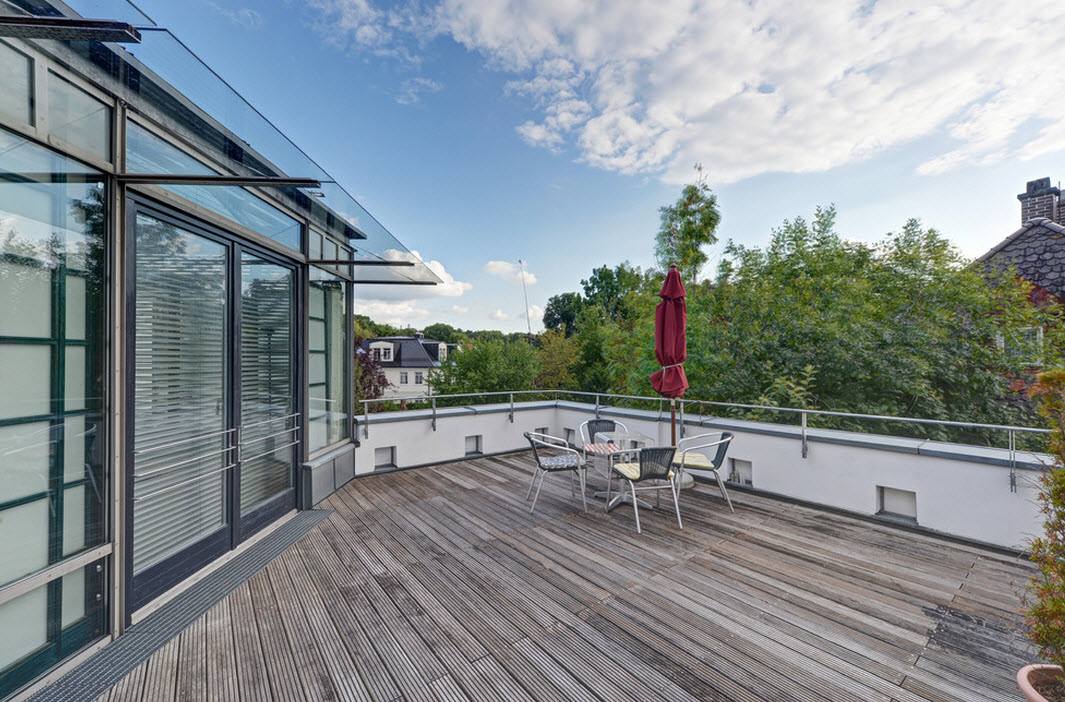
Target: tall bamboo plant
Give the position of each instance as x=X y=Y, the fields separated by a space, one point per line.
x=1045 y=597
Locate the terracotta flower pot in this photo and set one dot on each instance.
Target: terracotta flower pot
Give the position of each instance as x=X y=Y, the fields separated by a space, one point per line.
x=1034 y=673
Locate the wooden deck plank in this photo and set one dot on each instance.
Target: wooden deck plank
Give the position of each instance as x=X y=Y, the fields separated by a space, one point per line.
x=438 y=584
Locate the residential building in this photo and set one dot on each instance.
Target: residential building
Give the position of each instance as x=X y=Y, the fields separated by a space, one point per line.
x=175 y=334
x=406 y=362
x=1036 y=252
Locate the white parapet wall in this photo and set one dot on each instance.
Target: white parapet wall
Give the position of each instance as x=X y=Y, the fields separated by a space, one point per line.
x=957 y=490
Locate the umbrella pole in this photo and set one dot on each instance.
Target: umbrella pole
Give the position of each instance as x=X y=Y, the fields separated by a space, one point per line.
x=673 y=419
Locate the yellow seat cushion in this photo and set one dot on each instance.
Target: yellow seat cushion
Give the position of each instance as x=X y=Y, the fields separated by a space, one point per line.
x=631 y=470
x=693 y=460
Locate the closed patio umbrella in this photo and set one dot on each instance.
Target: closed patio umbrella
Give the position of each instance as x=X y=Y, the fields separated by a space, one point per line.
x=671 y=343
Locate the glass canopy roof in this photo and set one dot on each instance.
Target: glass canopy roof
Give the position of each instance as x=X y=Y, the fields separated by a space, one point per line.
x=170 y=73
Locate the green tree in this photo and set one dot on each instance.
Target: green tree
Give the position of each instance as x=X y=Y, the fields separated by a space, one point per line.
x=558 y=358
x=593 y=365
x=612 y=288
x=446 y=333
x=490 y=365
x=562 y=312
x=906 y=326
x=687 y=226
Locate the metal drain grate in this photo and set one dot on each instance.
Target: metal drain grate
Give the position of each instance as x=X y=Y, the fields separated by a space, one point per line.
x=101 y=672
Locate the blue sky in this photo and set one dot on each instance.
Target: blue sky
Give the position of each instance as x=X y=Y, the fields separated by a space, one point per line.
x=481 y=132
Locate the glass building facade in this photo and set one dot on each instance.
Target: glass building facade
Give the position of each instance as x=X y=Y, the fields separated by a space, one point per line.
x=173 y=352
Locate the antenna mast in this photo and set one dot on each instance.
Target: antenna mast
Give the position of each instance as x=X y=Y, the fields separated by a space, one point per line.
x=525 y=292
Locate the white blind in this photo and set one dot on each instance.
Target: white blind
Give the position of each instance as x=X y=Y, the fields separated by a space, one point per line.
x=181 y=442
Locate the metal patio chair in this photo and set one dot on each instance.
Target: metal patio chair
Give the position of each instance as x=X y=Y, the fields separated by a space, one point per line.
x=555 y=455
x=653 y=464
x=693 y=453
x=593 y=447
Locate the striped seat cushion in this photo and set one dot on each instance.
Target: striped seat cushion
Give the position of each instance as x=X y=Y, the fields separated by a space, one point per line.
x=601 y=448
x=693 y=460
x=562 y=462
x=631 y=470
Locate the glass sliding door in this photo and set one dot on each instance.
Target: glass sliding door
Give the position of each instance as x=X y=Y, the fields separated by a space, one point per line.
x=269 y=426
x=215 y=423
x=182 y=439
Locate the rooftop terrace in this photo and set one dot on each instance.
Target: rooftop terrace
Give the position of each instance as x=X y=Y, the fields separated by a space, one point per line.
x=437 y=583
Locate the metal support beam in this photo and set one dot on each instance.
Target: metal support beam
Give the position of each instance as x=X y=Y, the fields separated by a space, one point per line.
x=185 y=179
x=69 y=29
x=349 y=262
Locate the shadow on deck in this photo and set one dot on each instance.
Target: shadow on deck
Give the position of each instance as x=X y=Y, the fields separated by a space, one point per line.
x=437 y=583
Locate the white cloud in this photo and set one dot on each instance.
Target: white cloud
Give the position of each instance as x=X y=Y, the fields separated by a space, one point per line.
x=499 y=315
x=459 y=309
x=536 y=314
x=412 y=89
x=751 y=87
x=243 y=16
x=508 y=271
x=447 y=287
x=396 y=313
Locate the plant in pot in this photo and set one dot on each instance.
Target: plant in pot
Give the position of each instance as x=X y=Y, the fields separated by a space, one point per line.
x=1044 y=599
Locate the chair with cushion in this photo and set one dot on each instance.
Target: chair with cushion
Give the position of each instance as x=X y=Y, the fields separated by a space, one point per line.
x=693 y=453
x=555 y=455
x=652 y=465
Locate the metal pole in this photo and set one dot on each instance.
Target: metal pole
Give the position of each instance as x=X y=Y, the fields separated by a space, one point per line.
x=682 y=419
x=804 y=445
x=1013 y=461
x=434 y=412
x=673 y=421
x=511 y=408
x=597 y=407
x=365 y=419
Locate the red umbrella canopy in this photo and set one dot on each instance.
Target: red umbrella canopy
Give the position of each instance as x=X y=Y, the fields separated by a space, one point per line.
x=671 y=339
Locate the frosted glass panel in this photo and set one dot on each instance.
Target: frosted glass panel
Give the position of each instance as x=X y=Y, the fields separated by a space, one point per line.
x=76 y=308
x=26 y=292
x=16 y=75
x=24 y=450
x=317 y=299
x=25 y=375
x=78 y=118
x=27 y=615
x=316 y=373
x=73 y=520
x=23 y=540
x=73 y=597
x=74 y=439
x=317 y=334
x=75 y=378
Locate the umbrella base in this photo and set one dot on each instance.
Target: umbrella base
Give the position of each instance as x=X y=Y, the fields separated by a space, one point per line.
x=686 y=482
x=623 y=498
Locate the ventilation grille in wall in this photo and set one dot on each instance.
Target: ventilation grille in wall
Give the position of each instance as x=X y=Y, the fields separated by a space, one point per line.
x=384 y=457
x=741 y=472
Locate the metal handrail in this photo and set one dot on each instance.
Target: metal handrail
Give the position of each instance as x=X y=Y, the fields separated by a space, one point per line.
x=183 y=483
x=294 y=415
x=186 y=440
x=737 y=405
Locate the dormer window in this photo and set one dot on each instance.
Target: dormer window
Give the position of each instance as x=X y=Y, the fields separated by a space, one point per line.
x=386 y=354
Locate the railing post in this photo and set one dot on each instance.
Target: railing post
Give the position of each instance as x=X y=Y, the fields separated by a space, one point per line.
x=1013 y=461
x=597 y=406
x=511 y=408
x=805 y=447
x=434 y=412
x=682 y=419
x=365 y=419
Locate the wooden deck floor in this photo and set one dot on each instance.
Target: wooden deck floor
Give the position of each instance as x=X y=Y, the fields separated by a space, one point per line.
x=437 y=584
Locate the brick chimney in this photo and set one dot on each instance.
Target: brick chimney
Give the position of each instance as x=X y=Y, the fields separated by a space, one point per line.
x=1040 y=199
